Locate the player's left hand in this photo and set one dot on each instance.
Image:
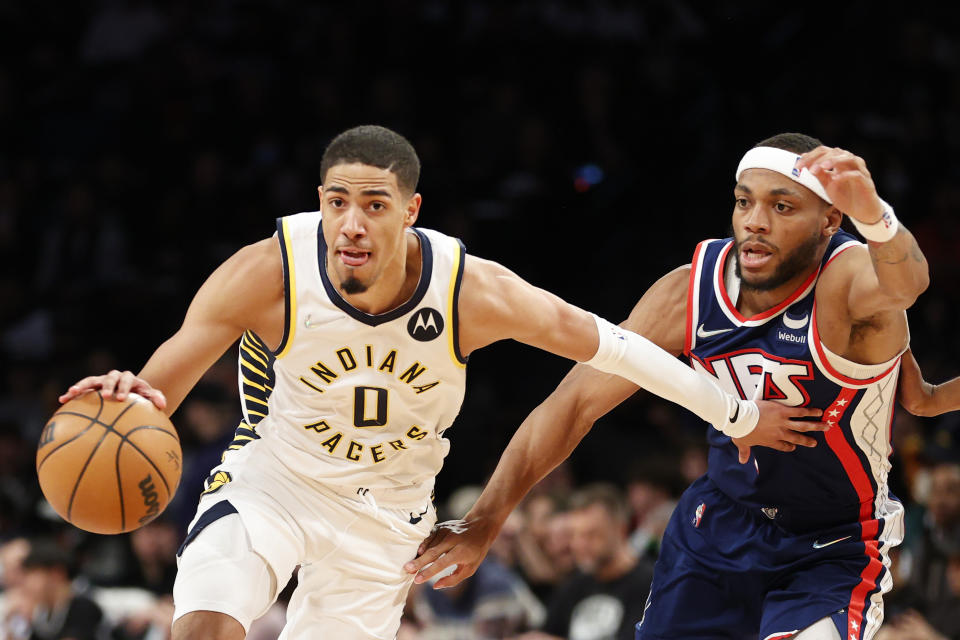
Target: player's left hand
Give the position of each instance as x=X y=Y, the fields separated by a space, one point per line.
x=463 y=543
x=846 y=180
x=778 y=429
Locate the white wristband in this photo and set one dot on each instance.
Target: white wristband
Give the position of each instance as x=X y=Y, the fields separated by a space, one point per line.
x=743 y=421
x=883 y=229
x=635 y=358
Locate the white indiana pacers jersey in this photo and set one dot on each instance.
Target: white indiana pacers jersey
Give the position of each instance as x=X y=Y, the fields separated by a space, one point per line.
x=352 y=399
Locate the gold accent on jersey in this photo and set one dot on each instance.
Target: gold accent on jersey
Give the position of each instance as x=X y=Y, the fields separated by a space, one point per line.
x=255 y=385
x=254 y=399
x=412 y=372
x=345 y=354
x=348 y=362
x=451 y=325
x=291 y=291
x=245 y=347
x=350 y=451
x=388 y=362
x=247 y=364
x=216 y=483
x=311 y=385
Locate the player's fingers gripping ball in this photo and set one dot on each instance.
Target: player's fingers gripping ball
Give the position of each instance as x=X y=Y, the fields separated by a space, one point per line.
x=108 y=466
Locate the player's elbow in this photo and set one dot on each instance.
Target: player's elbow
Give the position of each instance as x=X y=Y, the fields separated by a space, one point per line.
x=906 y=294
x=920 y=282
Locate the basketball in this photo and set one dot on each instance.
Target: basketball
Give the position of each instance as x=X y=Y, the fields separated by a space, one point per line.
x=108 y=466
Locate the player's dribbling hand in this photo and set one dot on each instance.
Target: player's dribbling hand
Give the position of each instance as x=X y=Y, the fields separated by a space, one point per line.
x=463 y=543
x=778 y=429
x=116 y=384
x=846 y=180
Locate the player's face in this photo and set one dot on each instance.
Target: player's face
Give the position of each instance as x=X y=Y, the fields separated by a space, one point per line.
x=365 y=214
x=595 y=537
x=780 y=228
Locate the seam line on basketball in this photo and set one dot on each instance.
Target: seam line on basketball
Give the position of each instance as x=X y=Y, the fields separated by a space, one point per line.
x=107 y=430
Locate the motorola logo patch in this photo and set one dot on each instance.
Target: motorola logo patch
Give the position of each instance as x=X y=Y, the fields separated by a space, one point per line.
x=425 y=324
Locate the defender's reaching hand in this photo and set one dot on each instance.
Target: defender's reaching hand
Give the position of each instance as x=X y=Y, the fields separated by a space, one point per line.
x=463 y=543
x=778 y=429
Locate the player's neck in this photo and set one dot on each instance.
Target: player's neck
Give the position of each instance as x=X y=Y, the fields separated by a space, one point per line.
x=396 y=285
x=753 y=301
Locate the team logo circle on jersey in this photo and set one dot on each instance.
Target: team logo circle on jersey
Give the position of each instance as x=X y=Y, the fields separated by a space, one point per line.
x=425 y=324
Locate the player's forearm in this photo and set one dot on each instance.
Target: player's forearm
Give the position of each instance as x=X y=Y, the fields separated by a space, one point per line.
x=637 y=359
x=179 y=363
x=943 y=397
x=544 y=440
x=901 y=267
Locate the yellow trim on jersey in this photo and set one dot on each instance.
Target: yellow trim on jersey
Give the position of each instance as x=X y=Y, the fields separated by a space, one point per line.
x=244 y=362
x=256 y=413
x=253 y=354
x=253 y=345
x=257 y=400
x=253 y=384
x=291 y=321
x=457 y=258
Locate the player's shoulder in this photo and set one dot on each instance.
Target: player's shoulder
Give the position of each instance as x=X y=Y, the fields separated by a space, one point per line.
x=679 y=275
x=843 y=261
x=255 y=270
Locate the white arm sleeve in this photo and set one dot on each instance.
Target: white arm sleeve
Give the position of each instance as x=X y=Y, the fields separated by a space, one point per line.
x=631 y=356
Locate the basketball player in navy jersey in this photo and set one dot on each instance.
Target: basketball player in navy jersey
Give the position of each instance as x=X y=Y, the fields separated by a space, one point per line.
x=787 y=534
x=355 y=328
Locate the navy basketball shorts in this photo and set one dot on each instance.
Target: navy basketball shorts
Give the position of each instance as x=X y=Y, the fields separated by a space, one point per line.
x=727 y=571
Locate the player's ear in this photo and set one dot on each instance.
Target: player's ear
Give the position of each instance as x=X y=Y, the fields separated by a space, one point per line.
x=831 y=223
x=412 y=210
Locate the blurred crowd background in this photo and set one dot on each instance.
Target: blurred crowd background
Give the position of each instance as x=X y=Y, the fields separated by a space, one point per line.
x=588 y=145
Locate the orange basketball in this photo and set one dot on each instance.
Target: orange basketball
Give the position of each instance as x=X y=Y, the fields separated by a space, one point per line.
x=108 y=466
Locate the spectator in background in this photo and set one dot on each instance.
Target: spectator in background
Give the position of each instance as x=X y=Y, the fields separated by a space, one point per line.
x=940 y=536
x=59 y=612
x=206 y=423
x=606 y=595
x=940 y=621
x=652 y=492
x=525 y=544
x=16 y=609
x=154 y=564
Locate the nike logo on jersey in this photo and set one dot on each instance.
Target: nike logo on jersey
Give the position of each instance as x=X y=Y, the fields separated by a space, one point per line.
x=790 y=323
x=703 y=333
x=820 y=545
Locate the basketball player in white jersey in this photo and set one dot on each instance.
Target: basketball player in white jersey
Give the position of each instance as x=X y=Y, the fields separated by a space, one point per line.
x=356 y=328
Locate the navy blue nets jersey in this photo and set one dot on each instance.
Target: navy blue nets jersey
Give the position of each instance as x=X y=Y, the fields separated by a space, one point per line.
x=777 y=355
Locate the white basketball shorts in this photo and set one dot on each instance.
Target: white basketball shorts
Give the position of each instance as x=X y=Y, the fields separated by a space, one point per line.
x=256 y=528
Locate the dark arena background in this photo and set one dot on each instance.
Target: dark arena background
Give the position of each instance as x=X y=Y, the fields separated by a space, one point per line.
x=588 y=146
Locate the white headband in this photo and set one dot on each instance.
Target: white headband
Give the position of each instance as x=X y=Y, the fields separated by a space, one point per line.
x=784 y=162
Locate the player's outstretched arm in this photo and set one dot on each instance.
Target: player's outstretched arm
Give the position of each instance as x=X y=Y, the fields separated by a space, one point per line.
x=899 y=272
x=237 y=296
x=553 y=429
x=922 y=398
